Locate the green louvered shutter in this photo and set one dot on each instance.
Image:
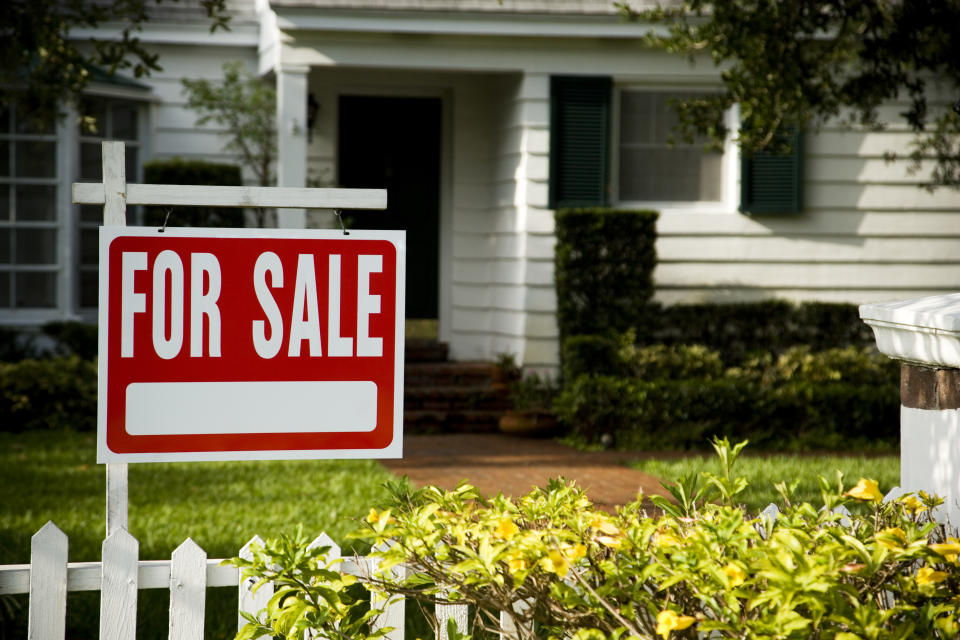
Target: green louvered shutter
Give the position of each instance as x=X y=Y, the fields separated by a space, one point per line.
x=773 y=183
x=579 y=140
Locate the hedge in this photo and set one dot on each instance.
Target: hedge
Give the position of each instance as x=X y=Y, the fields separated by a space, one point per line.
x=48 y=394
x=683 y=414
x=675 y=397
x=604 y=269
x=179 y=171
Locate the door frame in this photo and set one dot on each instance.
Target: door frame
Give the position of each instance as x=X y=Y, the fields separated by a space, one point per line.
x=445 y=240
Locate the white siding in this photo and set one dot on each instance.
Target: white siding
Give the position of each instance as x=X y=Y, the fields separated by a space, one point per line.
x=868 y=232
x=175 y=132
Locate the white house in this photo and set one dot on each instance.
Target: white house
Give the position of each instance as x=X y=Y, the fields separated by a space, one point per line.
x=481 y=118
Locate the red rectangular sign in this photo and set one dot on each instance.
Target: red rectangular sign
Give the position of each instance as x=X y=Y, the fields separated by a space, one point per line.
x=236 y=344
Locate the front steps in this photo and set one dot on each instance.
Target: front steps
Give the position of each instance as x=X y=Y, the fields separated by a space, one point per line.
x=448 y=397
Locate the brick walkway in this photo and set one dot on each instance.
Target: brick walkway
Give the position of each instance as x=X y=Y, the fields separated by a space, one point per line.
x=501 y=463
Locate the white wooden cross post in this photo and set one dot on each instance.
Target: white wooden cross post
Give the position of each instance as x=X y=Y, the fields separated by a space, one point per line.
x=115 y=194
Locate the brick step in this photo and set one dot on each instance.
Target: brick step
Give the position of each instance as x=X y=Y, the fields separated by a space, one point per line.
x=425 y=350
x=453 y=398
x=460 y=421
x=433 y=374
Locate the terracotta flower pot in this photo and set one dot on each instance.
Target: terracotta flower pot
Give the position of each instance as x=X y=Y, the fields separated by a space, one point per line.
x=532 y=423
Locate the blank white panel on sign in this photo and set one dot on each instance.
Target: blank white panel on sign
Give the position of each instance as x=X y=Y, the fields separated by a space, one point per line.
x=197 y=408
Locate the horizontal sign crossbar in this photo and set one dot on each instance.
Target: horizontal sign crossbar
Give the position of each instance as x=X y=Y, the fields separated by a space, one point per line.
x=207 y=196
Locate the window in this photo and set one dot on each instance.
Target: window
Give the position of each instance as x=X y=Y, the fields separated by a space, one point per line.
x=103 y=119
x=649 y=167
x=29 y=256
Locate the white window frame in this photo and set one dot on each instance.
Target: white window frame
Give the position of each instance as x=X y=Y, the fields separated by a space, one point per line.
x=67 y=215
x=730 y=163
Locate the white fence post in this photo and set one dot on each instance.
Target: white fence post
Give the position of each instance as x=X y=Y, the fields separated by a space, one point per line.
x=394 y=613
x=118 y=587
x=446 y=612
x=188 y=591
x=48 y=584
x=248 y=601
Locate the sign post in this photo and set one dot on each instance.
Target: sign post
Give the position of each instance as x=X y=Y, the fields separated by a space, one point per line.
x=236 y=344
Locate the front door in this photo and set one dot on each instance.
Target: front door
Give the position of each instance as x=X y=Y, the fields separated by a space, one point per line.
x=393 y=143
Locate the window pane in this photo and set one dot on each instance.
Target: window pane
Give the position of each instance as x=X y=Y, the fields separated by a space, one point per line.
x=35 y=246
x=36 y=289
x=131 y=164
x=124 y=121
x=89 y=289
x=36 y=202
x=93 y=118
x=4 y=158
x=5 y=255
x=4 y=119
x=91 y=213
x=683 y=174
x=36 y=158
x=636 y=117
x=91 y=162
x=5 y=290
x=25 y=124
x=89 y=247
x=4 y=202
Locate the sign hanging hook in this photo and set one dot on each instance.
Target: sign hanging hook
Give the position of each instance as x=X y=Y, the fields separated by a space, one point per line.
x=340 y=218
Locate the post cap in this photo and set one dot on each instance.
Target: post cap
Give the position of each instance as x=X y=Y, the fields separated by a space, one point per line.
x=920 y=330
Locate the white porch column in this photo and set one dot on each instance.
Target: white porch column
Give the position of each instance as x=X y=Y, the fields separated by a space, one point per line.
x=292 y=138
x=924 y=333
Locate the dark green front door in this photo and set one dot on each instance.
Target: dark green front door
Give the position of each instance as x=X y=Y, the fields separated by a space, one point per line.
x=394 y=144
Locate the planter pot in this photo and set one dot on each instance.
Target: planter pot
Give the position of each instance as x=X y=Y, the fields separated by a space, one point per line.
x=528 y=423
x=502 y=378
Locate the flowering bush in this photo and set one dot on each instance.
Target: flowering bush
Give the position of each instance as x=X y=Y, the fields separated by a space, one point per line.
x=703 y=567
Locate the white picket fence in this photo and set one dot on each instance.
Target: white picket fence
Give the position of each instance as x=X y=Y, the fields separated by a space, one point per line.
x=187 y=574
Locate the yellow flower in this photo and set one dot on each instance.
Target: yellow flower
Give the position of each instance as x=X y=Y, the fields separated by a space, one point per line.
x=665 y=539
x=913 y=504
x=516 y=562
x=668 y=621
x=505 y=529
x=866 y=489
x=373 y=517
x=607 y=541
x=556 y=563
x=892 y=538
x=926 y=575
x=949 y=549
x=575 y=552
x=734 y=574
x=603 y=525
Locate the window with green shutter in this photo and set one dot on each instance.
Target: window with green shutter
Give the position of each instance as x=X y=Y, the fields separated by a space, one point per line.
x=579 y=140
x=772 y=183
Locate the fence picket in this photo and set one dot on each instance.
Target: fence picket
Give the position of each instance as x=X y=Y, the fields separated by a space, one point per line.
x=118 y=587
x=508 y=623
x=394 y=611
x=250 y=602
x=456 y=612
x=188 y=591
x=48 y=584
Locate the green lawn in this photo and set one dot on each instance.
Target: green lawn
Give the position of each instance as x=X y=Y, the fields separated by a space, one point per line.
x=763 y=472
x=221 y=505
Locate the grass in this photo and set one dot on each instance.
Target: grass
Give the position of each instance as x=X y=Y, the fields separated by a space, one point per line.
x=221 y=505
x=762 y=472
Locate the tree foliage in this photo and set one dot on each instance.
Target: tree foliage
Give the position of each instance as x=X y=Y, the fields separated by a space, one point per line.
x=40 y=64
x=245 y=107
x=800 y=63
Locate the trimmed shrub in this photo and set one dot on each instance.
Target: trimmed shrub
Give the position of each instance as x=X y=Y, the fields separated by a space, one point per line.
x=604 y=269
x=59 y=393
x=741 y=329
x=73 y=338
x=680 y=414
x=179 y=171
x=591 y=354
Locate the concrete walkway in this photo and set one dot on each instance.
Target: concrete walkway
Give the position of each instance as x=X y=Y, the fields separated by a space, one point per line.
x=512 y=465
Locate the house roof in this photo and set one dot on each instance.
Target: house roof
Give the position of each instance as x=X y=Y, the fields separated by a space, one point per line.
x=555 y=7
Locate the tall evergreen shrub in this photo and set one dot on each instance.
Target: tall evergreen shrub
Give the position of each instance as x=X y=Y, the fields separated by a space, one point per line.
x=604 y=269
x=199 y=172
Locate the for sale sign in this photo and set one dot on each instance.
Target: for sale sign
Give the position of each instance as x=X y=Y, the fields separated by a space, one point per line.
x=235 y=344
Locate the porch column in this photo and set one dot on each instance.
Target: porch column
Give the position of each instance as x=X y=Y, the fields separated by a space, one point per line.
x=924 y=334
x=292 y=138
